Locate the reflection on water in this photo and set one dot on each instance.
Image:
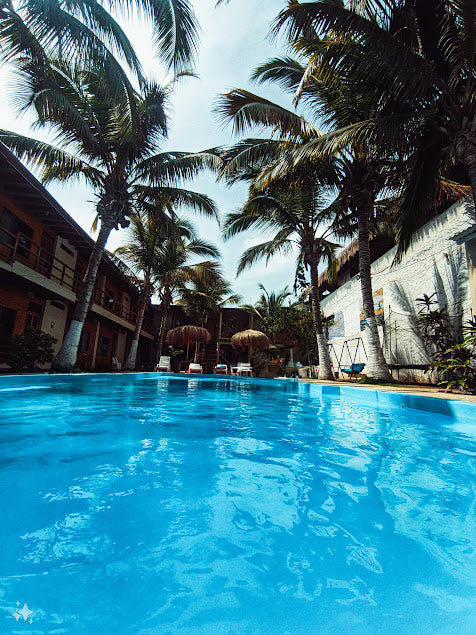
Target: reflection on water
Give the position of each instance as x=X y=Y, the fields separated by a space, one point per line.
x=143 y=504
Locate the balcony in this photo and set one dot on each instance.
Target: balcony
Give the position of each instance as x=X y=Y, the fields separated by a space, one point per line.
x=121 y=311
x=20 y=248
x=113 y=306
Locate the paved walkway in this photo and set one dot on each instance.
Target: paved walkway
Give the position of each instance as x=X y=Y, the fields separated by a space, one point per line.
x=422 y=390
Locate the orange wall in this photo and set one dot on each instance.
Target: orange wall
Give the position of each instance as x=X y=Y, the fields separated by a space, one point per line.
x=23 y=215
x=15 y=297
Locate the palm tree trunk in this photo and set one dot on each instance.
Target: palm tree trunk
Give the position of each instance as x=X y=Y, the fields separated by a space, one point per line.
x=163 y=321
x=325 y=371
x=66 y=358
x=376 y=366
x=131 y=358
x=195 y=357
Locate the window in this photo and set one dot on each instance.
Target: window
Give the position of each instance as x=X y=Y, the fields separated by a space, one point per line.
x=12 y=228
x=58 y=305
x=7 y=322
x=33 y=315
x=109 y=298
x=345 y=277
x=69 y=251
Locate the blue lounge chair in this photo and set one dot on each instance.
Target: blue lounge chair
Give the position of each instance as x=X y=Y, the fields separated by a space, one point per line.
x=355 y=369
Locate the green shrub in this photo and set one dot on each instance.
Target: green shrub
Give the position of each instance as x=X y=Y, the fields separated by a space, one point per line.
x=29 y=350
x=453 y=353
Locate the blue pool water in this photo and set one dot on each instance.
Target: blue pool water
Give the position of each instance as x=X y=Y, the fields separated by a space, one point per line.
x=155 y=504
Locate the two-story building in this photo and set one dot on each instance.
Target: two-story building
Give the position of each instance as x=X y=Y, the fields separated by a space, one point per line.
x=43 y=259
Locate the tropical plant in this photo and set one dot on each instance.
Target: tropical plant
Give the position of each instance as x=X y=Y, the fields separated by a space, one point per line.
x=295 y=214
x=200 y=297
x=300 y=325
x=453 y=353
x=174 y=268
x=388 y=136
x=29 y=350
x=271 y=311
x=113 y=144
x=435 y=324
x=141 y=256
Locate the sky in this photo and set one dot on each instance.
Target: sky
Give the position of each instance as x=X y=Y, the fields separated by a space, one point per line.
x=234 y=41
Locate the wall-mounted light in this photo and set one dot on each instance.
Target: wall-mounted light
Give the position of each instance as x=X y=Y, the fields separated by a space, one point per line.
x=52 y=325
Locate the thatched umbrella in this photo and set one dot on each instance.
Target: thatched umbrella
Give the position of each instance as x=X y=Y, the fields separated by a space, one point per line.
x=251 y=340
x=186 y=334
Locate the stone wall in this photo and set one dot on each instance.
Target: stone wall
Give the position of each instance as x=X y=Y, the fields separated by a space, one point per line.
x=434 y=263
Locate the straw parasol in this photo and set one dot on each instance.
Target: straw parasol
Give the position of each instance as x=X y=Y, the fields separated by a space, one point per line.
x=183 y=335
x=251 y=340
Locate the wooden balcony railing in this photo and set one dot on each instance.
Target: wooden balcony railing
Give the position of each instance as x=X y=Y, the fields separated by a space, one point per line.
x=18 y=247
x=113 y=306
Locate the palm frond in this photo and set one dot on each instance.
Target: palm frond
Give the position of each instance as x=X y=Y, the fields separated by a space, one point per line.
x=52 y=162
x=175 y=167
x=264 y=251
x=175 y=27
x=245 y=110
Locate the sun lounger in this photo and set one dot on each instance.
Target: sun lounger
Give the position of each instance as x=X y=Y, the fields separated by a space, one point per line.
x=242 y=368
x=164 y=364
x=116 y=364
x=195 y=368
x=220 y=369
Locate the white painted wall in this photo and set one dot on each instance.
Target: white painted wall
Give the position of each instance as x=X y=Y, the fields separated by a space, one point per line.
x=434 y=262
x=64 y=258
x=54 y=321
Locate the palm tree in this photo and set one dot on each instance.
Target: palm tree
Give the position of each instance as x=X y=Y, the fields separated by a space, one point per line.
x=359 y=172
x=141 y=256
x=295 y=215
x=87 y=29
x=200 y=298
x=270 y=310
x=174 y=269
x=113 y=144
x=422 y=81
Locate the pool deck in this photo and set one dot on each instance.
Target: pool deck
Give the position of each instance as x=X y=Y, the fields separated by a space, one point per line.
x=421 y=390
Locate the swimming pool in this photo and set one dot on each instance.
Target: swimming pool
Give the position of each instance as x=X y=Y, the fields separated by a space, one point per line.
x=145 y=503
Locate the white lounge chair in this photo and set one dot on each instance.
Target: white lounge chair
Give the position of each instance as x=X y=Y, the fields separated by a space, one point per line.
x=242 y=368
x=195 y=368
x=163 y=365
x=116 y=364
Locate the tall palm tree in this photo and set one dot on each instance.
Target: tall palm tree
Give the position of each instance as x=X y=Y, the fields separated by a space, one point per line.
x=423 y=82
x=114 y=145
x=362 y=173
x=175 y=269
x=140 y=254
x=295 y=215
